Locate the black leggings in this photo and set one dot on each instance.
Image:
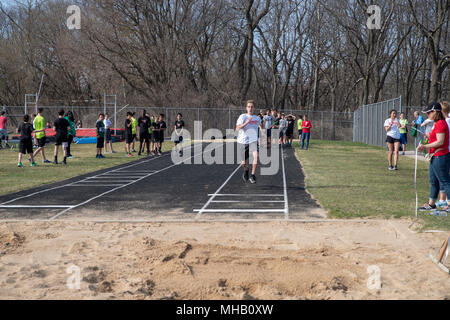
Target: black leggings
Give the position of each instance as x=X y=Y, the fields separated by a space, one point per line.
x=69 y=142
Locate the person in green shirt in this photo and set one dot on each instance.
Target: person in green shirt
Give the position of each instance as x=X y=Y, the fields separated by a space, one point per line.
x=133 y=131
x=403 y=132
x=72 y=133
x=299 y=127
x=39 y=125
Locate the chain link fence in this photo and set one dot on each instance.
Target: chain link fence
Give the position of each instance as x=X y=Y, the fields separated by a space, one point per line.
x=368 y=126
x=326 y=125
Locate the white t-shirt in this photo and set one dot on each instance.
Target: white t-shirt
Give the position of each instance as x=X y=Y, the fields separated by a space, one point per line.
x=249 y=134
x=269 y=121
x=107 y=123
x=283 y=124
x=448 y=124
x=394 y=132
x=428 y=124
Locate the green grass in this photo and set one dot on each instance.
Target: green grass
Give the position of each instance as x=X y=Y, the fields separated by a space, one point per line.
x=14 y=179
x=351 y=180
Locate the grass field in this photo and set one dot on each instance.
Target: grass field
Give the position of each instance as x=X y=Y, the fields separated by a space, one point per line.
x=351 y=180
x=14 y=179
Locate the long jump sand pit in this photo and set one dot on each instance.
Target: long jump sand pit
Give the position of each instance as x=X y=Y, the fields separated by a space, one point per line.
x=216 y=260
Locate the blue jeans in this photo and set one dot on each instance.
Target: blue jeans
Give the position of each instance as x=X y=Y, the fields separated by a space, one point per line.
x=305 y=137
x=439 y=176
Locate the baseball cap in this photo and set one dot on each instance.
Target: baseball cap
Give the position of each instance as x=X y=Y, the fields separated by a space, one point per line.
x=434 y=106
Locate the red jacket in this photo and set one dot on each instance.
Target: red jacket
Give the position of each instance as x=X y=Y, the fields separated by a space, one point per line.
x=306 y=126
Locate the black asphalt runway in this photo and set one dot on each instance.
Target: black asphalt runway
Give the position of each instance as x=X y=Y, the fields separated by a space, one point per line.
x=157 y=189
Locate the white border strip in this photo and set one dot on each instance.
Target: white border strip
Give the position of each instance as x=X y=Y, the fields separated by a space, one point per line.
x=286 y=204
x=247 y=195
x=33 y=206
x=244 y=201
x=240 y=210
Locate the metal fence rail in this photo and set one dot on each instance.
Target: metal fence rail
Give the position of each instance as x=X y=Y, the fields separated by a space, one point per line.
x=368 y=121
x=326 y=125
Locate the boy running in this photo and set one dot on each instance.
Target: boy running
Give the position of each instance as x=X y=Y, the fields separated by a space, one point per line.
x=247 y=127
x=179 y=126
x=39 y=126
x=128 y=133
x=100 y=125
x=26 y=140
x=61 y=127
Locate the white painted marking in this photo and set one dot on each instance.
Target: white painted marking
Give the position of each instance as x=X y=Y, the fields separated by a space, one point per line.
x=200 y=212
x=244 y=201
x=70 y=184
x=239 y=210
x=97 y=185
x=33 y=206
x=247 y=195
x=123 y=186
x=108 y=181
x=286 y=204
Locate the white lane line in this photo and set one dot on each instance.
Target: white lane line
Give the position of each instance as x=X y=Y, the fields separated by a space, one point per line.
x=123 y=186
x=131 y=172
x=70 y=184
x=245 y=201
x=246 y=195
x=286 y=204
x=96 y=185
x=200 y=212
x=33 y=206
x=107 y=178
x=239 y=210
x=109 y=181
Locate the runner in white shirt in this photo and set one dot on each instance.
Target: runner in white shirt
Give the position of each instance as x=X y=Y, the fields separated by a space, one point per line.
x=247 y=127
x=392 y=126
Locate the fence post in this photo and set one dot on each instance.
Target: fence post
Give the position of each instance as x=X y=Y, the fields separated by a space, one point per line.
x=229 y=118
x=321 y=125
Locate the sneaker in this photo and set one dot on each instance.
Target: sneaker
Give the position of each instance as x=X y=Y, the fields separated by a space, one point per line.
x=134 y=151
x=114 y=151
x=441 y=204
x=391 y=168
x=403 y=153
x=34 y=164
x=396 y=168
x=252 y=179
x=101 y=156
x=55 y=162
x=46 y=161
x=427 y=207
x=20 y=165
x=64 y=163
x=245 y=176
x=181 y=153
x=159 y=154
x=153 y=153
x=130 y=155
x=29 y=159
x=70 y=157
x=139 y=154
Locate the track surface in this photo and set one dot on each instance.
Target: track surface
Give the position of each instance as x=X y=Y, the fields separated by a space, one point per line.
x=157 y=189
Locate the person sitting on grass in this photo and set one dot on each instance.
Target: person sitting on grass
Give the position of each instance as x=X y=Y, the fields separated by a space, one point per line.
x=438 y=149
x=100 y=136
x=26 y=140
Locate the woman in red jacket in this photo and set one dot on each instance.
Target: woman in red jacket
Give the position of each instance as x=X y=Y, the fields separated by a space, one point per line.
x=306 y=132
x=438 y=148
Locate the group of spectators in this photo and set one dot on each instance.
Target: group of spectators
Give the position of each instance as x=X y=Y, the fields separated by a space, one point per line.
x=432 y=136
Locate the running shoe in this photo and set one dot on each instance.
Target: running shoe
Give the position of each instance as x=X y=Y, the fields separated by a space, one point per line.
x=34 y=164
x=55 y=162
x=46 y=161
x=130 y=155
x=395 y=168
x=101 y=156
x=139 y=154
x=391 y=168
x=252 y=179
x=159 y=154
x=153 y=153
x=70 y=157
x=64 y=163
x=134 y=151
x=114 y=151
x=427 y=207
x=441 y=204
x=181 y=153
x=245 y=176
x=20 y=165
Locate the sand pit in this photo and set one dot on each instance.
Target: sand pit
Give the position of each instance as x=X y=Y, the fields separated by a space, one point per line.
x=219 y=261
